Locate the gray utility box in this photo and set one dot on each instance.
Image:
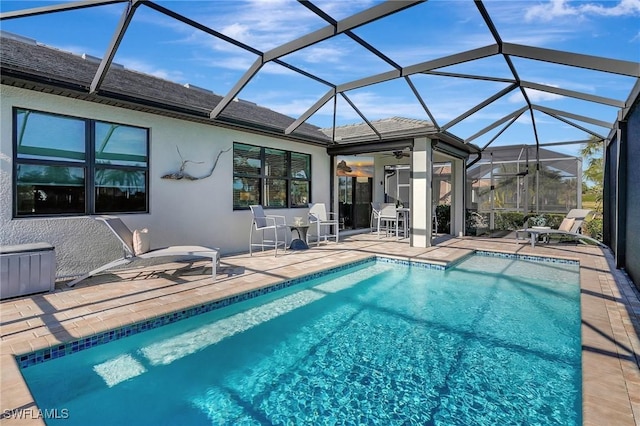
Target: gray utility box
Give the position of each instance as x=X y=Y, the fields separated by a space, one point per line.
x=27 y=269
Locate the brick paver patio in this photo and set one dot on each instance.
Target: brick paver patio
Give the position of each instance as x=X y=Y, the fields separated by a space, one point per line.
x=610 y=309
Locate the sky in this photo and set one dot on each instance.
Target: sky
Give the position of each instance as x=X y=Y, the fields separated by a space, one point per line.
x=160 y=46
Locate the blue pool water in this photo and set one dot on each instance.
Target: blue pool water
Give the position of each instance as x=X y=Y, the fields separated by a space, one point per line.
x=492 y=341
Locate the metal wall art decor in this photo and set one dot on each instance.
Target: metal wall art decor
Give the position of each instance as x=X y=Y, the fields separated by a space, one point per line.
x=181 y=174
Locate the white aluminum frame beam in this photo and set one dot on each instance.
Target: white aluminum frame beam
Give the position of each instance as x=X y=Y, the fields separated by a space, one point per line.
x=246 y=77
x=555 y=113
x=346 y=98
x=458 y=58
x=345 y=27
x=312 y=110
x=572 y=94
x=469 y=55
x=354 y=21
x=481 y=105
x=577 y=126
x=230 y=40
x=471 y=76
x=597 y=63
x=56 y=8
x=422 y=102
x=496 y=35
x=504 y=129
x=514 y=115
x=584 y=141
x=315 y=9
x=362 y=18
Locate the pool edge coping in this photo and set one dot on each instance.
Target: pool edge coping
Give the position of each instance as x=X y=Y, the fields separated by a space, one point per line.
x=597 y=408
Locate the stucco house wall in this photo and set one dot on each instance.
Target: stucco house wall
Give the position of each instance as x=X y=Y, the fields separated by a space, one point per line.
x=181 y=212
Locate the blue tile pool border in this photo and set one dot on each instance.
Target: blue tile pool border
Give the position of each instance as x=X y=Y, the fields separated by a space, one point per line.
x=528 y=257
x=63 y=349
x=412 y=263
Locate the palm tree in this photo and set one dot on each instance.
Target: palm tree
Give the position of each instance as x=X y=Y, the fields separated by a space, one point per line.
x=592 y=152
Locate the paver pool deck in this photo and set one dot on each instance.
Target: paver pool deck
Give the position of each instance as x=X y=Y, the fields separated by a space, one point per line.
x=610 y=309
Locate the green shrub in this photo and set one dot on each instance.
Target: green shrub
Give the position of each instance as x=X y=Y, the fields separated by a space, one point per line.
x=443 y=215
x=509 y=221
x=476 y=223
x=552 y=220
x=593 y=228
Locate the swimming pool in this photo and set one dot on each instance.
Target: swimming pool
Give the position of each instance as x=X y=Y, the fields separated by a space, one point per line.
x=490 y=341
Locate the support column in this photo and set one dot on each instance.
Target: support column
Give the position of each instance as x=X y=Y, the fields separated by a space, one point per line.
x=620 y=250
x=457 y=197
x=378 y=180
x=333 y=196
x=579 y=179
x=421 y=193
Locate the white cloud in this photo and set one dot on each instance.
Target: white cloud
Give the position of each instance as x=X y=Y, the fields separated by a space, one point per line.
x=80 y=50
x=236 y=31
x=275 y=69
x=323 y=55
x=538 y=96
x=265 y=24
x=374 y=106
x=542 y=36
x=292 y=108
x=562 y=8
x=535 y=95
x=150 y=69
x=624 y=8
x=549 y=11
x=236 y=62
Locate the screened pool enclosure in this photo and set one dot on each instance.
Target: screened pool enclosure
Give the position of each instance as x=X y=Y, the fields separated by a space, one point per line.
x=509 y=183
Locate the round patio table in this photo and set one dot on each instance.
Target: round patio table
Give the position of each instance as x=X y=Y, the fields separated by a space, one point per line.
x=299 y=243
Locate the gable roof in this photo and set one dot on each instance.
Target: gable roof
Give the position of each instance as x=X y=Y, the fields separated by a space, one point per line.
x=386 y=128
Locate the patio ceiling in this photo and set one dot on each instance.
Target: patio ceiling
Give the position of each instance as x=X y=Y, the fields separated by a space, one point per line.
x=463 y=67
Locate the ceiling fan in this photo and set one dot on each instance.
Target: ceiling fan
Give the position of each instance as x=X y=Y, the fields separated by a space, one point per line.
x=399 y=155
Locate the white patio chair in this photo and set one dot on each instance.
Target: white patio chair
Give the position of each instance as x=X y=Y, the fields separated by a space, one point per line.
x=272 y=224
x=388 y=220
x=135 y=245
x=375 y=210
x=321 y=220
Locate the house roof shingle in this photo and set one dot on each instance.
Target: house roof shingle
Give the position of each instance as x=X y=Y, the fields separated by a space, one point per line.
x=387 y=127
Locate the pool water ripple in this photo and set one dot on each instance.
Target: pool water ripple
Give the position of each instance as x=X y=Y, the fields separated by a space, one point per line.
x=492 y=341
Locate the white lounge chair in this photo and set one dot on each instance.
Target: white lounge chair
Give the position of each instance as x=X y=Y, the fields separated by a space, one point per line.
x=138 y=248
x=262 y=222
x=319 y=219
x=571 y=226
